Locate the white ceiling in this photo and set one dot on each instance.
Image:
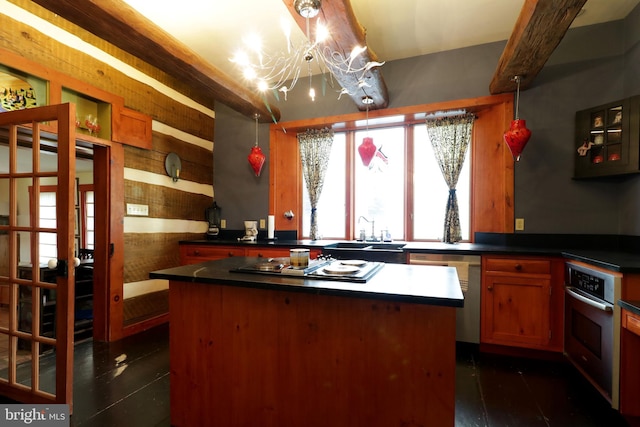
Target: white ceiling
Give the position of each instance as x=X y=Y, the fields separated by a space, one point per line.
x=396 y=29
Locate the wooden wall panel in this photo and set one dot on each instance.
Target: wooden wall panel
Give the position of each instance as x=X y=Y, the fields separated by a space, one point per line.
x=285 y=179
x=167 y=202
x=202 y=98
x=493 y=171
x=21 y=39
x=197 y=162
x=147 y=252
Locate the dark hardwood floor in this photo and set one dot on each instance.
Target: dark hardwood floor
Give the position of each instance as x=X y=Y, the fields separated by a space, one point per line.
x=126 y=383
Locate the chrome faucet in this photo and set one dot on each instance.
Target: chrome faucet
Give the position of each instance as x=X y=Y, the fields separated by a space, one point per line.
x=373 y=230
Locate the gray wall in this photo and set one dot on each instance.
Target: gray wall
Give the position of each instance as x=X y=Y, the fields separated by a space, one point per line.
x=592 y=65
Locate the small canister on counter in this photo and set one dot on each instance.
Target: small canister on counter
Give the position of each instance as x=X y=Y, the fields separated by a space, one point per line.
x=299 y=258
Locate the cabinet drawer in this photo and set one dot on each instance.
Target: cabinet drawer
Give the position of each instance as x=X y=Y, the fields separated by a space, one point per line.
x=268 y=252
x=529 y=266
x=631 y=322
x=191 y=254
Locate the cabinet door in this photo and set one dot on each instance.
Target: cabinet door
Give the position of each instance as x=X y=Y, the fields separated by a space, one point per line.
x=515 y=310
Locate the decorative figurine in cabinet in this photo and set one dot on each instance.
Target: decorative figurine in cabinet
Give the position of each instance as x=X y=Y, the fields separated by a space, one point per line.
x=607 y=141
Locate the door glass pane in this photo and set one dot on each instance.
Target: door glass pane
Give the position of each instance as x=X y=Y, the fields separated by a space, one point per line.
x=4 y=156
x=4 y=343
x=23 y=364
x=4 y=232
x=47 y=371
x=24 y=313
x=48 y=159
x=24 y=160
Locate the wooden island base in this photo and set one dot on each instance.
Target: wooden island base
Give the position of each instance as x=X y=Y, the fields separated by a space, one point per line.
x=258 y=357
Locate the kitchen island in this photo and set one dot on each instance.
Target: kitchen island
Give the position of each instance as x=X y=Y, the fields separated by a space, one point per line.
x=270 y=350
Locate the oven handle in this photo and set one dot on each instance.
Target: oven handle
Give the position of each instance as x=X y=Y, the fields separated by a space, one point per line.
x=596 y=304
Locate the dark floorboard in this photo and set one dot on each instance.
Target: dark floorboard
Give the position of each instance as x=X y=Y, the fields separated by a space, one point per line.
x=126 y=383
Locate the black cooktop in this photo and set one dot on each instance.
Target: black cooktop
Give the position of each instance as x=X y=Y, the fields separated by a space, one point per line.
x=344 y=270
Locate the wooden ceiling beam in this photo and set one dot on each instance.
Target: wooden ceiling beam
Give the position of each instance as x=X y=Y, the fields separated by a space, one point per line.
x=121 y=25
x=539 y=29
x=345 y=33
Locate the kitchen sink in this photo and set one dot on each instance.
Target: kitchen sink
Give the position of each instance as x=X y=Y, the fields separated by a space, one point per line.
x=369 y=251
x=386 y=246
x=350 y=245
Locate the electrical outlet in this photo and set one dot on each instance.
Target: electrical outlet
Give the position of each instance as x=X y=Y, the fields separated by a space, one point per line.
x=223 y=223
x=263 y=223
x=519 y=224
x=137 y=210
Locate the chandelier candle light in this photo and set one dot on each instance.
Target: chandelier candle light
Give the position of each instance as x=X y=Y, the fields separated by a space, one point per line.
x=256 y=157
x=274 y=72
x=518 y=135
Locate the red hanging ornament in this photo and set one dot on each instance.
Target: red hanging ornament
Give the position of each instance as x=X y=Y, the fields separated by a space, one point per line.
x=256 y=159
x=517 y=137
x=367 y=150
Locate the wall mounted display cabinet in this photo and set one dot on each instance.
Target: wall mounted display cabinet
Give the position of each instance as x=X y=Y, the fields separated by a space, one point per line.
x=607 y=141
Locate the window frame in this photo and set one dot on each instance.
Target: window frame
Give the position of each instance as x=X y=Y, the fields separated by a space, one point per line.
x=492 y=165
x=351 y=144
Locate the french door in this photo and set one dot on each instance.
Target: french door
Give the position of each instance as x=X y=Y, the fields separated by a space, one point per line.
x=36 y=302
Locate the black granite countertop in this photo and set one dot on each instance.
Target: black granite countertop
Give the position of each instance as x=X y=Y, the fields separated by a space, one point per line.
x=611 y=254
x=632 y=306
x=393 y=282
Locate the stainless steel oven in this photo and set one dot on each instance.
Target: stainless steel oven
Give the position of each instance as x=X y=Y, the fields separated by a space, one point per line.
x=592 y=326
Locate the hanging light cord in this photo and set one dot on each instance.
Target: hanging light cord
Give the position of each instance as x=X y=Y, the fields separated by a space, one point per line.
x=256 y=117
x=517 y=80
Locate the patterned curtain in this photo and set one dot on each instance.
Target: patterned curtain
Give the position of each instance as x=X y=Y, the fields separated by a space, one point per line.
x=450 y=137
x=315 y=148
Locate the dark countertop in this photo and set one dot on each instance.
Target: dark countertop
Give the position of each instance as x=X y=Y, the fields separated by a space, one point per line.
x=394 y=282
x=608 y=257
x=632 y=306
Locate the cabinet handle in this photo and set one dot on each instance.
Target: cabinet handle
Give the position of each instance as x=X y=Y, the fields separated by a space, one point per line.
x=490 y=287
x=230 y=254
x=260 y=255
x=518 y=267
x=196 y=252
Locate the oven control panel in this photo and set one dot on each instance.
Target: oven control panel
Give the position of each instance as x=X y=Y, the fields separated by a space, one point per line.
x=594 y=282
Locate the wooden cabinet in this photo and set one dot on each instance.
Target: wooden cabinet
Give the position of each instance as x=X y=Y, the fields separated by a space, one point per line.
x=521 y=302
x=629 y=367
x=194 y=254
x=607 y=139
x=268 y=252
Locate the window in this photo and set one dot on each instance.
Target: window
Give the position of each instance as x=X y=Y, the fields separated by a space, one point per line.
x=332 y=204
x=379 y=196
x=378 y=193
x=88 y=216
x=430 y=192
x=48 y=241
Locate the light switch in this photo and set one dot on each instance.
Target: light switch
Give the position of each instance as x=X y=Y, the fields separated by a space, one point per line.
x=137 y=210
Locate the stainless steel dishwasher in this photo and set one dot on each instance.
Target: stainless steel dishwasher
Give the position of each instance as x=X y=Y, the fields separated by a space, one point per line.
x=468 y=267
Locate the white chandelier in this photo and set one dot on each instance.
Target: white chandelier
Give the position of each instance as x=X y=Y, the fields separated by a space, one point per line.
x=280 y=72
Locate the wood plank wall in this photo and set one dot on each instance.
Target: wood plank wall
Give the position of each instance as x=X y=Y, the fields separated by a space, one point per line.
x=183 y=123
